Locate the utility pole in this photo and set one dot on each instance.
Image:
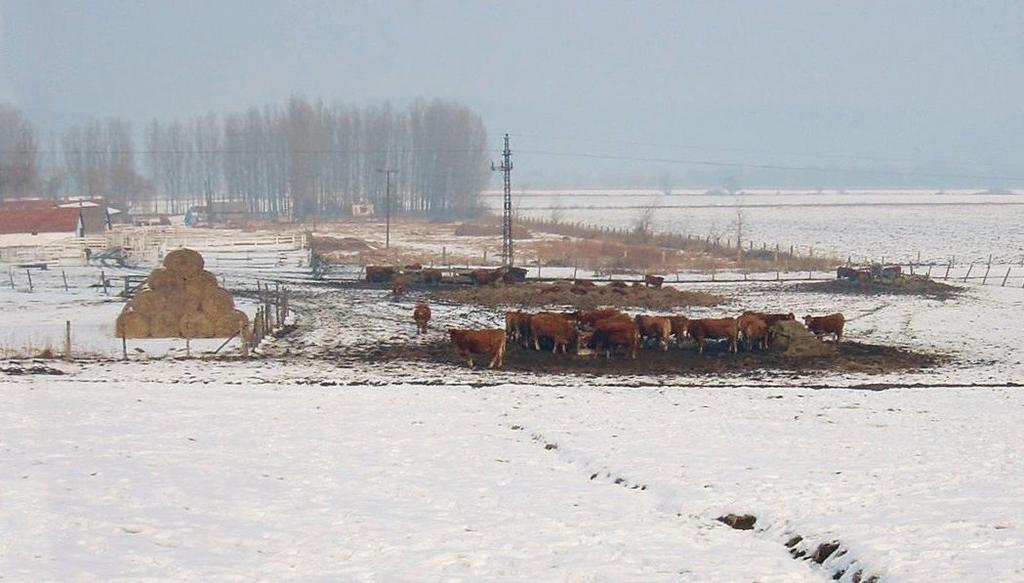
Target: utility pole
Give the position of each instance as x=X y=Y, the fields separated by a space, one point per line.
x=387 y=207
x=507 y=251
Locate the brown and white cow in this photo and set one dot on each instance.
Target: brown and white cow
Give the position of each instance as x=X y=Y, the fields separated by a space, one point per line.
x=713 y=328
x=657 y=327
x=822 y=325
x=679 y=325
x=421 y=315
x=488 y=342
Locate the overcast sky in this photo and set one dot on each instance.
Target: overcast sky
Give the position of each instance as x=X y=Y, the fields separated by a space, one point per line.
x=934 y=85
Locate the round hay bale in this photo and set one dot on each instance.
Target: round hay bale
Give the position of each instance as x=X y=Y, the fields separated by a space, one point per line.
x=793 y=339
x=131 y=324
x=196 y=325
x=200 y=281
x=164 y=324
x=184 y=261
x=149 y=302
x=216 y=302
x=183 y=302
x=165 y=280
x=230 y=323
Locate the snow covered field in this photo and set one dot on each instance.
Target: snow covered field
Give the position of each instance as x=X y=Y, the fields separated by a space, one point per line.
x=866 y=226
x=314 y=462
x=238 y=482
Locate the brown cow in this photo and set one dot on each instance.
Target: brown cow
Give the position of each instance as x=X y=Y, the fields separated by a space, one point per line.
x=679 y=325
x=484 y=276
x=657 y=327
x=713 y=328
x=488 y=342
x=591 y=317
x=380 y=273
x=430 y=276
x=615 y=332
x=399 y=286
x=771 y=319
x=517 y=326
x=618 y=284
x=654 y=281
x=754 y=330
x=822 y=325
x=421 y=315
x=554 y=327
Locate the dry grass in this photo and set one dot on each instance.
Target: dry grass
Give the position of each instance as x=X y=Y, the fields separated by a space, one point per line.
x=696 y=252
x=490 y=229
x=538 y=295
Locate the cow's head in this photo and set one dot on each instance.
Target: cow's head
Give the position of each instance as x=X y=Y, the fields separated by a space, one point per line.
x=807 y=320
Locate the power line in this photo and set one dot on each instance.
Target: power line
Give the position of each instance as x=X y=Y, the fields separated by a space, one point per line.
x=752 y=166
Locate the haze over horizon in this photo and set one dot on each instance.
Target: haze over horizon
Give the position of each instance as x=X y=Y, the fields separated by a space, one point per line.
x=594 y=93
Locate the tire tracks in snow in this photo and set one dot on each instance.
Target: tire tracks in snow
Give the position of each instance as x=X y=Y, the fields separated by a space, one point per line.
x=830 y=557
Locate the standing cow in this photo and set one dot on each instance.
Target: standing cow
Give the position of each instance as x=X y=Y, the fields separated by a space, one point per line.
x=657 y=327
x=714 y=328
x=823 y=325
x=487 y=342
x=421 y=315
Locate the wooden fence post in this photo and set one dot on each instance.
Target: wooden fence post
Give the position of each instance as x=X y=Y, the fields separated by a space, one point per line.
x=10 y=273
x=65 y=276
x=1006 y=277
x=969 y=269
x=987 y=269
x=948 y=267
x=67 y=340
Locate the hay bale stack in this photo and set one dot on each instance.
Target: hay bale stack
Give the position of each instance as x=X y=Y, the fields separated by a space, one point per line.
x=183 y=301
x=184 y=261
x=231 y=323
x=165 y=280
x=132 y=324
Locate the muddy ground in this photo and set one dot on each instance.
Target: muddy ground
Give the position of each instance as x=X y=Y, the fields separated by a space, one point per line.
x=849 y=357
x=923 y=287
x=540 y=295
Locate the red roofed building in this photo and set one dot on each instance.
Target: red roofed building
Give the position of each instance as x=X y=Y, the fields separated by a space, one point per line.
x=67 y=221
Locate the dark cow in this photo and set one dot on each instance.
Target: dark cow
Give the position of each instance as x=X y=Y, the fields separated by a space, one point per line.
x=421 y=315
x=517 y=326
x=618 y=284
x=583 y=283
x=484 y=276
x=430 y=276
x=553 y=327
x=754 y=330
x=654 y=281
x=488 y=342
x=617 y=331
x=380 y=273
x=843 y=272
x=413 y=267
x=657 y=327
x=714 y=328
x=511 y=275
x=822 y=325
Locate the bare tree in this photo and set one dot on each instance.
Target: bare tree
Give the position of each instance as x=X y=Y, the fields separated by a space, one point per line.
x=19 y=152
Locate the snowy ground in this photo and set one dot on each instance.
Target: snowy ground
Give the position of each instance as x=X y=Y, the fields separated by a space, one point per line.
x=311 y=463
x=241 y=482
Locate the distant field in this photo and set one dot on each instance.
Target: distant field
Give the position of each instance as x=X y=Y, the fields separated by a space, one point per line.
x=863 y=225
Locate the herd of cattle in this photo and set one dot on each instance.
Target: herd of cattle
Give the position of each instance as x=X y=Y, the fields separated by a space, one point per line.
x=605 y=330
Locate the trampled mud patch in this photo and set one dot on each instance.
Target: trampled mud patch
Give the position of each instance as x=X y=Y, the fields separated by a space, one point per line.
x=910 y=287
x=849 y=357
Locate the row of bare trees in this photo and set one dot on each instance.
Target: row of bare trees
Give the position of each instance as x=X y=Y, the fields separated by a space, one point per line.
x=297 y=160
